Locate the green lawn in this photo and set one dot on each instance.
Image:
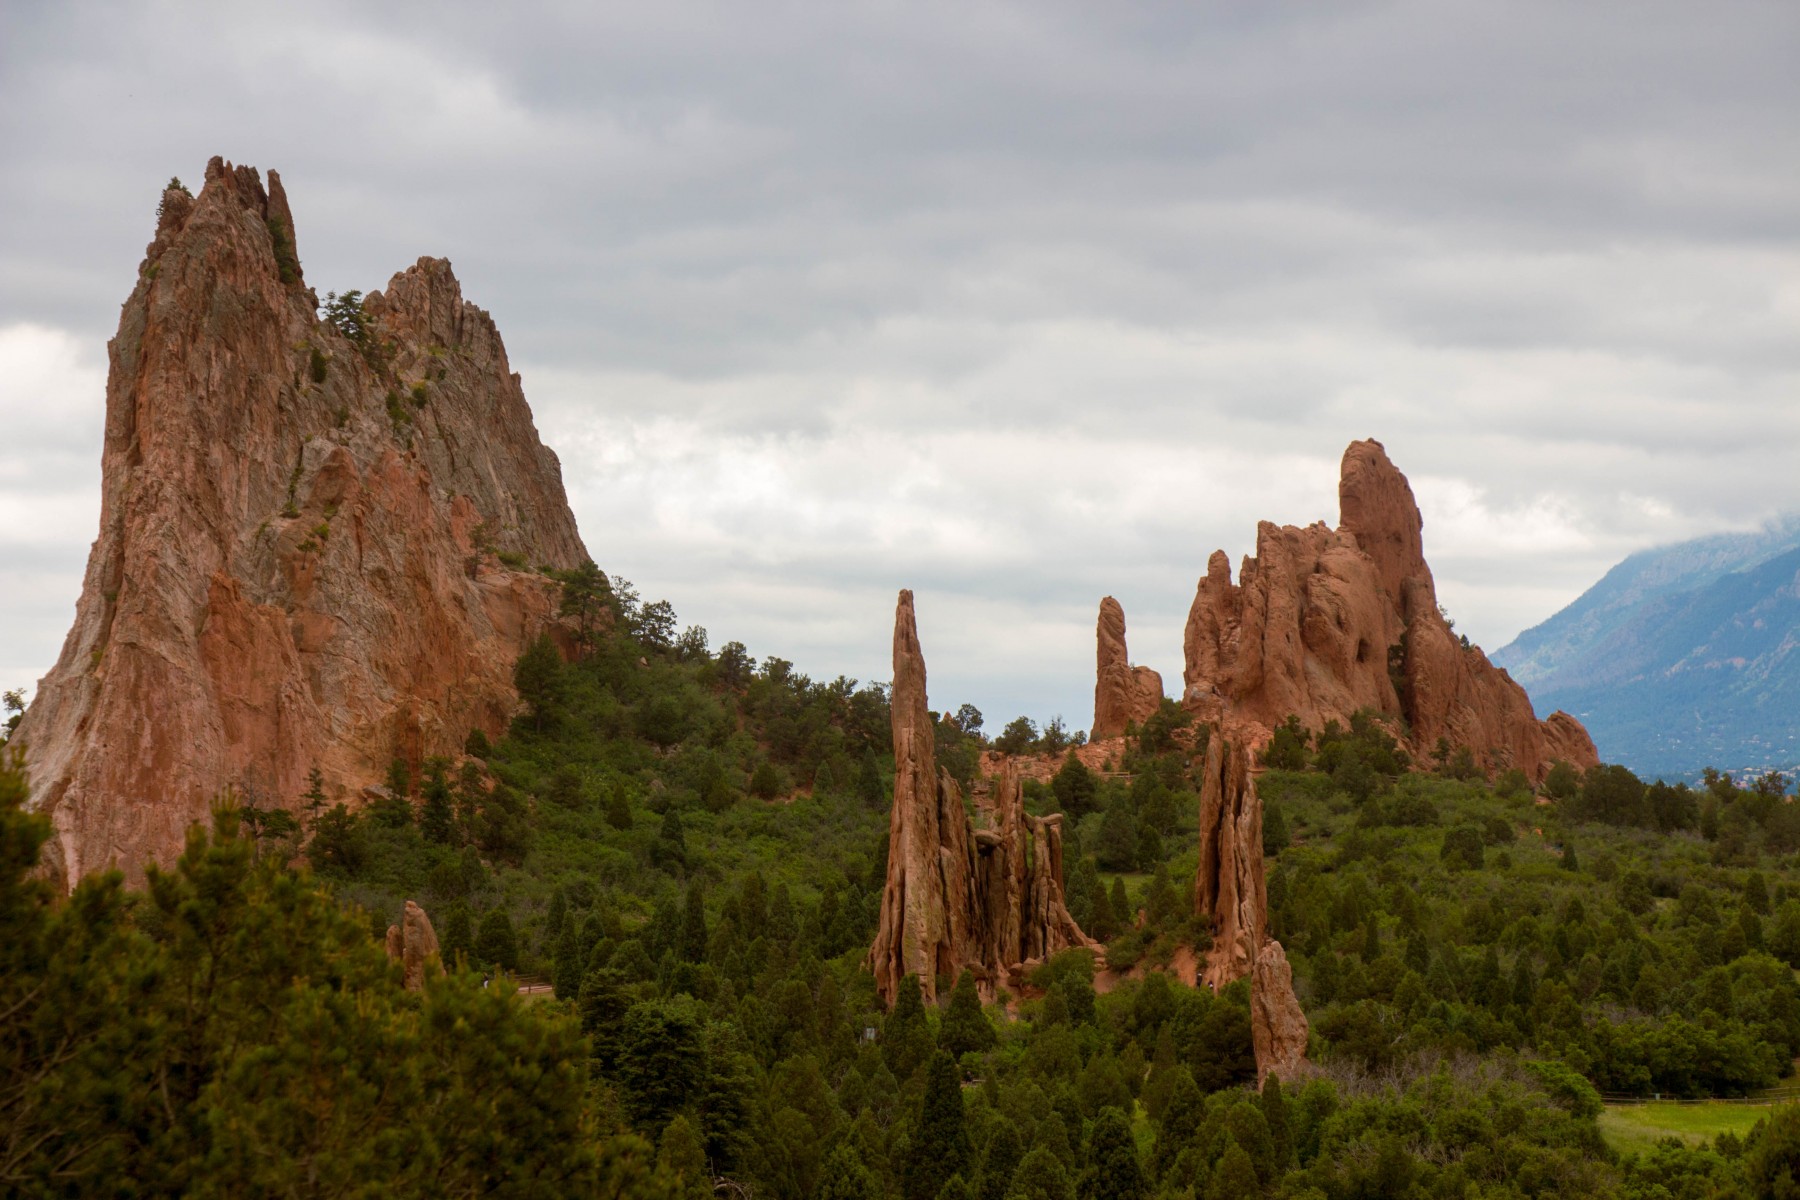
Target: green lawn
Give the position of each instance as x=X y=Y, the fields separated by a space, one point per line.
x=1629 y=1128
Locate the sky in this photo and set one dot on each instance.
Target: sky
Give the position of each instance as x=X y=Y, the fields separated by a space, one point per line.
x=1015 y=305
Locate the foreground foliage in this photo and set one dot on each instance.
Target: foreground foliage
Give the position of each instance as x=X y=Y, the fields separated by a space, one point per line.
x=691 y=847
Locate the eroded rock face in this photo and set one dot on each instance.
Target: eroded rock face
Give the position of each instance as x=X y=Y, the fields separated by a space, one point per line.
x=296 y=563
x=1278 y=1028
x=1323 y=622
x=1122 y=693
x=413 y=943
x=1230 y=889
x=987 y=897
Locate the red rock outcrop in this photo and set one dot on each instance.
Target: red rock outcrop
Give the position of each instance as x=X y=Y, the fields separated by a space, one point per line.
x=987 y=897
x=1231 y=890
x=413 y=943
x=1323 y=622
x=1122 y=693
x=297 y=559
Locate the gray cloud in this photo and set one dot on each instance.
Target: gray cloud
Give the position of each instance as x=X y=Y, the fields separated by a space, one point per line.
x=1017 y=305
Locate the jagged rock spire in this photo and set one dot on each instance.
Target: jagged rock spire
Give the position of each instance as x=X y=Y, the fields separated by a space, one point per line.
x=1122 y=693
x=1230 y=888
x=959 y=896
x=296 y=563
x=1323 y=623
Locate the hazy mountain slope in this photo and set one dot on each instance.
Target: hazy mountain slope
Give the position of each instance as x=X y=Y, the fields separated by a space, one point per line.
x=1562 y=650
x=1681 y=658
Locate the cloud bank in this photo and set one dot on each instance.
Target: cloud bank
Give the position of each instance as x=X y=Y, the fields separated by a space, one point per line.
x=1015 y=305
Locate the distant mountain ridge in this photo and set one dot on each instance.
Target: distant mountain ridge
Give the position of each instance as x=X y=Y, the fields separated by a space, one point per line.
x=1681 y=656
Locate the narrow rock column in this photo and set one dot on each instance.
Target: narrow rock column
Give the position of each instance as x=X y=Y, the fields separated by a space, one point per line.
x=1231 y=888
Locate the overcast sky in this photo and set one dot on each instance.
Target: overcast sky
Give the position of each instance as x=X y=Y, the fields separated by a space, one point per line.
x=1017 y=306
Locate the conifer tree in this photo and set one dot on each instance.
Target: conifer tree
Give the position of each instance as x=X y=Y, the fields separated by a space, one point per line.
x=905 y=1035
x=965 y=1029
x=999 y=1161
x=940 y=1145
x=1041 y=1176
x=437 y=816
x=495 y=942
x=1114 y=1172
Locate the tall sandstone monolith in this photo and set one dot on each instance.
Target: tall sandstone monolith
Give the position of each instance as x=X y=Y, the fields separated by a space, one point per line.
x=1231 y=893
x=301 y=537
x=1325 y=622
x=1123 y=694
x=961 y=895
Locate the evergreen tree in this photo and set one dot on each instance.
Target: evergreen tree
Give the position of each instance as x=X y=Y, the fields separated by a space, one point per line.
x=965 y=1028
x=569 y=963
x=495 y=943
x=678 y=1155
x=1124 y=916
x=871 y=788
x=437 y=817
x=998 y=1162
x=1041 y=1176
x=956 y=1188
x=542 y=681
x=602 y=1003
x=905 y=1035
x=660 y=1059
x=845 y=1178
x=313 y=798
x=1275 y=1115
x=940 y=1144
x=1114 y=1172
x=693 y=924
x=618 y=806
x=1235 y=1174
x=457 y=941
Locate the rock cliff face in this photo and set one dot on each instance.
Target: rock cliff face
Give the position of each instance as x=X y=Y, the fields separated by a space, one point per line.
x=1122 y=693
x=1230 y=889
x=298 y=559
x=1323 y=622
x=984 y=897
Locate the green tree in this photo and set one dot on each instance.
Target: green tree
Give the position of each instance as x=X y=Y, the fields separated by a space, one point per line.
x=845 y=1178
x=871 y=787
x=542 y=681
x=1114 y=1172
x=940 y=1146
x=1041 y=1176
x=999 y=1161
x=495 y=942
x=965 y=1029
x=906 y=1041
x=660 y=1059
x=437 y=816
x=679 y=1156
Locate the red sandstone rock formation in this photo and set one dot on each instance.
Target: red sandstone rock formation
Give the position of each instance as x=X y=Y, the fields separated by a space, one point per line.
x=1122 y=693
x=1324 y=622
x=296 y=563
x=985 y=898
x=413 y=943
x=1230 y=888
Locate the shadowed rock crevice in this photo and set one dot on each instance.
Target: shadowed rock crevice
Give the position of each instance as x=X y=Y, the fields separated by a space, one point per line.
x=981 y=893
x=299 y=557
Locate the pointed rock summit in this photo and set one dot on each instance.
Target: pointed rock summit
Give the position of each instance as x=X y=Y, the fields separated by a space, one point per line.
x=1123 y=694
x=1323 y=622
x=318 y=538
x=983 y=896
